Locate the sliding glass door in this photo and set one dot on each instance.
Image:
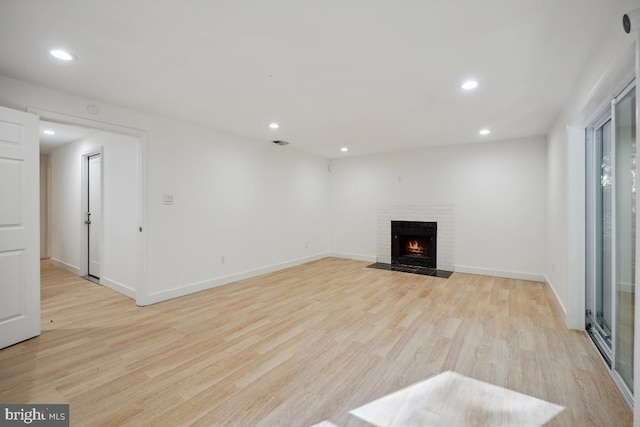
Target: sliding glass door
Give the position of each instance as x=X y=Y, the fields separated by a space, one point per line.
x=610 y=236
x=625 y=222
x=600 y=239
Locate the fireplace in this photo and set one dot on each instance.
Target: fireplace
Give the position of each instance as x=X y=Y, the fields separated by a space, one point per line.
x=414 y=243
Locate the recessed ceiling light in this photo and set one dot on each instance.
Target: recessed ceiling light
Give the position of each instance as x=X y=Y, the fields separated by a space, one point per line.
x=274 y=125
x=344 y=149
x=48 y=132
x=469 y=84
x=484 y=132
x=61 y=54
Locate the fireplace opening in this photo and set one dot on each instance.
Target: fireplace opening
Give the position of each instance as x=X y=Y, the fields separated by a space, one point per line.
x=414 y=243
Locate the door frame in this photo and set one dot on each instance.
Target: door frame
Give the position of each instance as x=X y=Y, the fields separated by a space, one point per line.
x=604 y=115
x=591 y=207
x=142 y=290
x=84 y=232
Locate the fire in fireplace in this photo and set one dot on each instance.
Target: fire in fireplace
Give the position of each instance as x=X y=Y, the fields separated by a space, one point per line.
x=414 y=247
x=414 y=243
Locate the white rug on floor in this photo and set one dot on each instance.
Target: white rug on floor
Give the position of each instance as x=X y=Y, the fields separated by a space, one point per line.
x=450 y=399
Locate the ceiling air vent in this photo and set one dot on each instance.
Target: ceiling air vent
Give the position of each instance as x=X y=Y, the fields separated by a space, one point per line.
x=280 y=142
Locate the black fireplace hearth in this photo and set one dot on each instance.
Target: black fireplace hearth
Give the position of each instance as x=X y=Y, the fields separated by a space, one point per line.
x=414 y=249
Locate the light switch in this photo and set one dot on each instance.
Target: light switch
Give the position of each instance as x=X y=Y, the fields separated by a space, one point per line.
x=167 y=199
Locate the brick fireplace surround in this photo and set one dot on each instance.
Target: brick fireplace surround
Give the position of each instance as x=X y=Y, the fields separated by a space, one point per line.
x=443 y=214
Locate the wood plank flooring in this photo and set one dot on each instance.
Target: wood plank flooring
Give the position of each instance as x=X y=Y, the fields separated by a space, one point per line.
x=298 y=347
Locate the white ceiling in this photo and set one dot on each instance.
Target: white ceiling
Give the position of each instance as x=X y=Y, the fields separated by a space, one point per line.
x=373 y=75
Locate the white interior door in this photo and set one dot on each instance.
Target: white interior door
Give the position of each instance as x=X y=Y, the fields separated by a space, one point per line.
x=19 y=227
x=94 y=209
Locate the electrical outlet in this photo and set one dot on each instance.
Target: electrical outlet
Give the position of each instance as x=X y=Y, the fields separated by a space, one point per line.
x=222 y=259
x=167 y=199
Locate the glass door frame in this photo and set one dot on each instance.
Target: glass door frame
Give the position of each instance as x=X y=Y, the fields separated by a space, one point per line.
x=627 y=393
x=593 y=175
x=608 y=351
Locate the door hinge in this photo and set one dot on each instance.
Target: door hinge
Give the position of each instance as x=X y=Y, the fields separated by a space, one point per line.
x=141 y=229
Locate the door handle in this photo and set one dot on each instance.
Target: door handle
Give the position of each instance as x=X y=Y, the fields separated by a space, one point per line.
x=88 y=220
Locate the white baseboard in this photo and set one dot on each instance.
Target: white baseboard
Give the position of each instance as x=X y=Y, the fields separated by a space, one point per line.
x=213 y=283
x=368 y=258
x=557 y=300
x=111 y=284
x=63 y=265
x=118 y=287
x=500 y=273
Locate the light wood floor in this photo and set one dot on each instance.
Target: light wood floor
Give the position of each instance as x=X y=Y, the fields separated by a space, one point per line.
x=297 y=347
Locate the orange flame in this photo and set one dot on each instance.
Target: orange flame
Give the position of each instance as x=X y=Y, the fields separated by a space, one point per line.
x=414 y=246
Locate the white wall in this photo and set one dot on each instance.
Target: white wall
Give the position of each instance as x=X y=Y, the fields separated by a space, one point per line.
x=258 y=205
x=498 y=190
x=556 y=253
x=44 y=216
x=253 y=202
x=120 y=207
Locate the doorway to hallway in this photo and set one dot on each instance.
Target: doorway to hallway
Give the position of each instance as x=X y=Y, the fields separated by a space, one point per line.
x=93 y=205
x=93 y=219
